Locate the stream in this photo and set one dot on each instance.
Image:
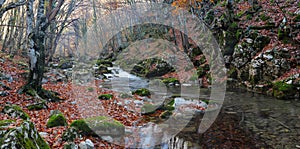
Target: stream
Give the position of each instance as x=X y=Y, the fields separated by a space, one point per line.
x=275 y=122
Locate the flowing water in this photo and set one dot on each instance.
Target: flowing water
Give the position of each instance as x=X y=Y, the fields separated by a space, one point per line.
x=276 y=122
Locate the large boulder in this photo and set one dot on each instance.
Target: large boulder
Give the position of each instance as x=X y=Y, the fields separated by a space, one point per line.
x=22 y=136
x=99 y=126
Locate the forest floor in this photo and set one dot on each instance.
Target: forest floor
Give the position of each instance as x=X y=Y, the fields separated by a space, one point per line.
x=219 y=135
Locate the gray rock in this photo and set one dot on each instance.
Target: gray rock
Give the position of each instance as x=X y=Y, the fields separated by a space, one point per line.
x=82 y=145
x=107 y=138
x=89 y=144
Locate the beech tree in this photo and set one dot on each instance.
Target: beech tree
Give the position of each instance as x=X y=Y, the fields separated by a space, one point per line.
x=36 y=34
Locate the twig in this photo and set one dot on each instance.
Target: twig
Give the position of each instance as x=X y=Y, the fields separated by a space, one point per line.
x=280 y=123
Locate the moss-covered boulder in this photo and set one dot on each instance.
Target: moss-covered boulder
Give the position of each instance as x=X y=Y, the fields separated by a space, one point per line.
x=142 y=92
x=105 y=96
x=100 y=126
x=15 y=112
x=82 y=127
x=56 y=119
x=24 y=136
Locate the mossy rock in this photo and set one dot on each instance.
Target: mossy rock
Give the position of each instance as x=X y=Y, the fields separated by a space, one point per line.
x=15 y=112
x=165 y=114
x=105 y=96
x=170 y=81
x=57 y=119
x=106 y=63
x=37 y=106
x=99 y=126
x=142 y=92
x=82 y=127
x=282 y=90
x=24 y=136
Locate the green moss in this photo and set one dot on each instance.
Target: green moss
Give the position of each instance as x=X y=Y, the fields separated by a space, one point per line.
x=283 y=90
x=142 y=92
x=233 y=25
x=90 y=89
x=105 y=96
x=297 y=18
x=282 y=86
x=106 y=63
x=201 y=72
x=249 y=17
x=238 y=34
x=168 y=108
x=166 y=114
x=239 y=14
x=56 y=120
x=31 y=92
x=25 y=136
x=37 y=106
x=82 y=126
x=169 y=80
x=5 y=122
x=263 y=17
x=15 y=112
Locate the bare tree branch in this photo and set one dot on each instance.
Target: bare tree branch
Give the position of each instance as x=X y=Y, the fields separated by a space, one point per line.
x=10 y=6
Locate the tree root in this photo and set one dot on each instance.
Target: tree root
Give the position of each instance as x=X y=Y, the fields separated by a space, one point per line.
x=42 y=94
